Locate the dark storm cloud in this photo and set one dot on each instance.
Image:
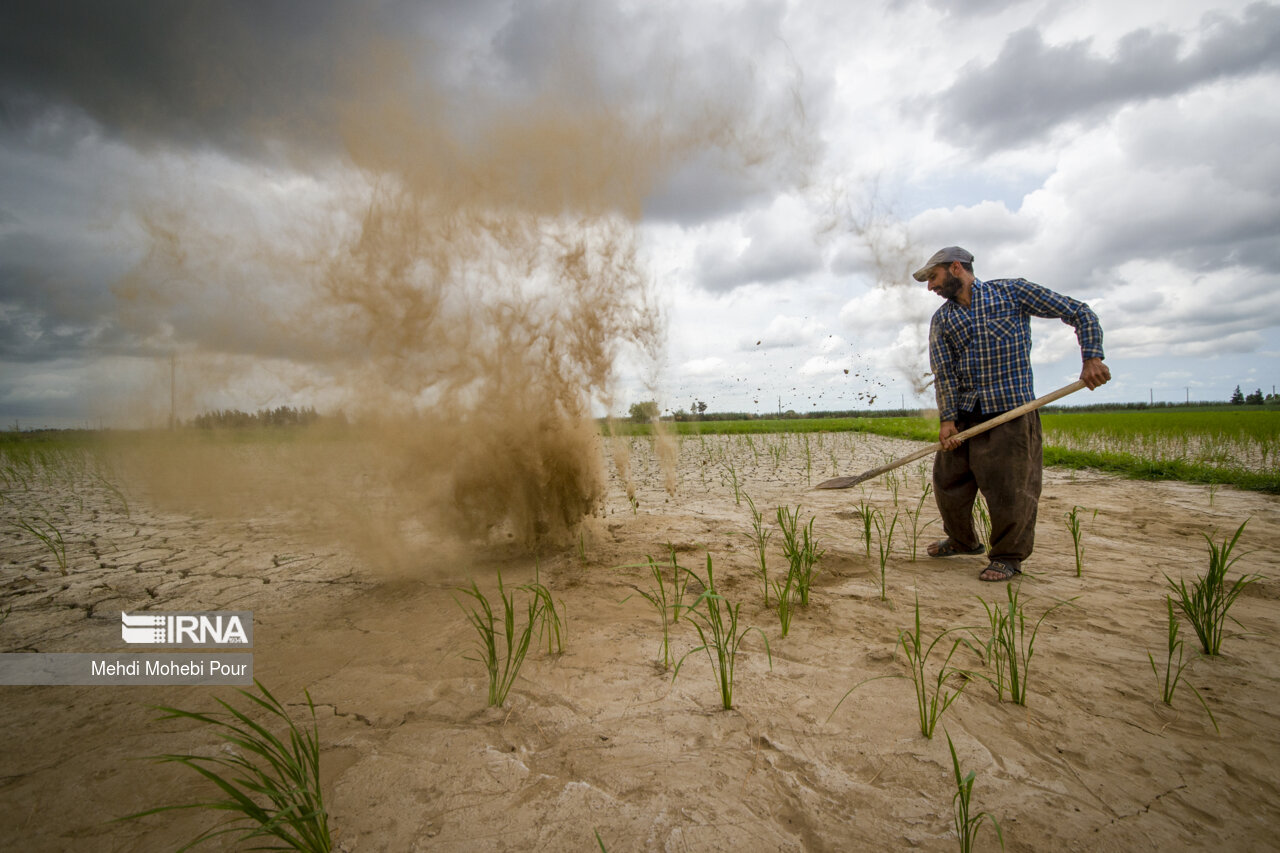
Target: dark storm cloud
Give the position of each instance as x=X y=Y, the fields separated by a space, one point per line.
x=225 y=74
x=53 y=303
x=239 y=75
x=1033 y=87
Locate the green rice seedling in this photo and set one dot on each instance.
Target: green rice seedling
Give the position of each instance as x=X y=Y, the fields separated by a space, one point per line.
x=992 y=652
x=679 y=583
x=1173 y=670
x=45 y=531
x=884 y=542
x=716 y=621
x=808 y=461
x=835 y=463
x=1206 y=603
x=502 y=646
x=733 y=478
x=914 y=517
x=1073 y=527
x=967 y=825
x=549 y=622
x=270 y=783
x=109 y=484
x=866 y=516
x=1213 y=490
x=982 y=520
x=775 y=451
x=810 y=555
x=934 y=693
x=784 y=600
x=759 y=537
x=665 y=599
x=801 y=550
x=1010 y=647
x=893 y=481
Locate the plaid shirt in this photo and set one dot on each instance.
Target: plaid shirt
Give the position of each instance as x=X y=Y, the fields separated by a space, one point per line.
x=981 y=355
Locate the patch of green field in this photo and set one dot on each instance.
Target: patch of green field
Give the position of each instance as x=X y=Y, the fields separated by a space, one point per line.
x=1234 y=446
x=919 y=429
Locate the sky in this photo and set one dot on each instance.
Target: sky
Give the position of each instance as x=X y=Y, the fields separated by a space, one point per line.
x=180 y=181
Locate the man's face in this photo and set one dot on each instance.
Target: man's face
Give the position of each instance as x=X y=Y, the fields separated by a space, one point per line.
x=943 y=282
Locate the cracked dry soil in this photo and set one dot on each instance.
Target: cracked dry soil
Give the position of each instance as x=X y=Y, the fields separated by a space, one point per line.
x=600 y=739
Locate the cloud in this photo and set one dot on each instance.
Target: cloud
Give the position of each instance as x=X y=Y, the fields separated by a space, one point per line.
x=784 y=331
x=879 y=312
x=989 y=224
x=226 y=73
x=709 y=366
x=771 y=245
x=1191 y=316
x=1032 y=87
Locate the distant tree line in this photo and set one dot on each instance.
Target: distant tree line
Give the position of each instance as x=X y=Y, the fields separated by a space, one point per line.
x=648 y=411
x=236 y=419
x=1239 y=398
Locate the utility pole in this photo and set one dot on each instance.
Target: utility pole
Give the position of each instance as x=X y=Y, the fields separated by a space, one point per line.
x=1153 y=395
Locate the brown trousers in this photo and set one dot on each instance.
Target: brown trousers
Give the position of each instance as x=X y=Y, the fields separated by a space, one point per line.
x=1004 y=463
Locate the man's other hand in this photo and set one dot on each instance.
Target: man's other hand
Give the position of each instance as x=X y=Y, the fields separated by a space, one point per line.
x=947 y=435
x=1095 y=373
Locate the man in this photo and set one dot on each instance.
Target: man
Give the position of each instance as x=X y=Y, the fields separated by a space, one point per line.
x=980 y=354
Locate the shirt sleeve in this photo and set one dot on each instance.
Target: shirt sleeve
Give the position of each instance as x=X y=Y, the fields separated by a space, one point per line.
x=942 y=362
x=1040 y=301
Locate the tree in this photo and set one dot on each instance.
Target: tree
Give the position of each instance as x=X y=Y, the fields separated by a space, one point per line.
x=644 y=412
x=1254 y=399
x=1237 y=396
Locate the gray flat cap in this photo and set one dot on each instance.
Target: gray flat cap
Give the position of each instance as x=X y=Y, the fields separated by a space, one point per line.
x=942 y=256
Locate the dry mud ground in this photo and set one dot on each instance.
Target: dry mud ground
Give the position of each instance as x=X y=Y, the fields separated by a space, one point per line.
x=599 y=739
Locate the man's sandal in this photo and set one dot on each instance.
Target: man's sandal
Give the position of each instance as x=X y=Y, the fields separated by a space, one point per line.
x=948 y=548
x=1001 y=570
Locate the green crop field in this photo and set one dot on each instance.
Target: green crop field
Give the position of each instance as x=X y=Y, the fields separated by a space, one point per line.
x=1236 y=446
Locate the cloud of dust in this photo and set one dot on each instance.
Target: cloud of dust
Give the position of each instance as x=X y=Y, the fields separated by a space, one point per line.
x=462 y=292
x=894 y=254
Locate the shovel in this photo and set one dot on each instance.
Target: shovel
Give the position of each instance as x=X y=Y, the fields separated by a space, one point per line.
x=846 y=482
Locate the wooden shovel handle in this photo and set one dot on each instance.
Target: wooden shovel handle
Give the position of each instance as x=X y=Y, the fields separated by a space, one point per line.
x=846 y=482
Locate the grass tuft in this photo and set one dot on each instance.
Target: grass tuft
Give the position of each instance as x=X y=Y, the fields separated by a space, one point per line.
x=1010 y=646
x=716 y=621
x=1173 y=670
x=502 y=645
x=1209 y=598
x=759 y=537
x=801 y=550
x=666 y=597
x=1073 y=527
x=269 y=784
x=934 y=693
x=967 y=825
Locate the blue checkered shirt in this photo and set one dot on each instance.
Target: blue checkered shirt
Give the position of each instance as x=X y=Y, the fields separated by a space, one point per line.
x=981 y=355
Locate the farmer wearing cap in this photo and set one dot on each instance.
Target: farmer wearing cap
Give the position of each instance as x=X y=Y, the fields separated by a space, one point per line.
x=980 y=354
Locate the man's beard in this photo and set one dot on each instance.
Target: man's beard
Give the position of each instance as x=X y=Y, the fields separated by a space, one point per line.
x=950 y=286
